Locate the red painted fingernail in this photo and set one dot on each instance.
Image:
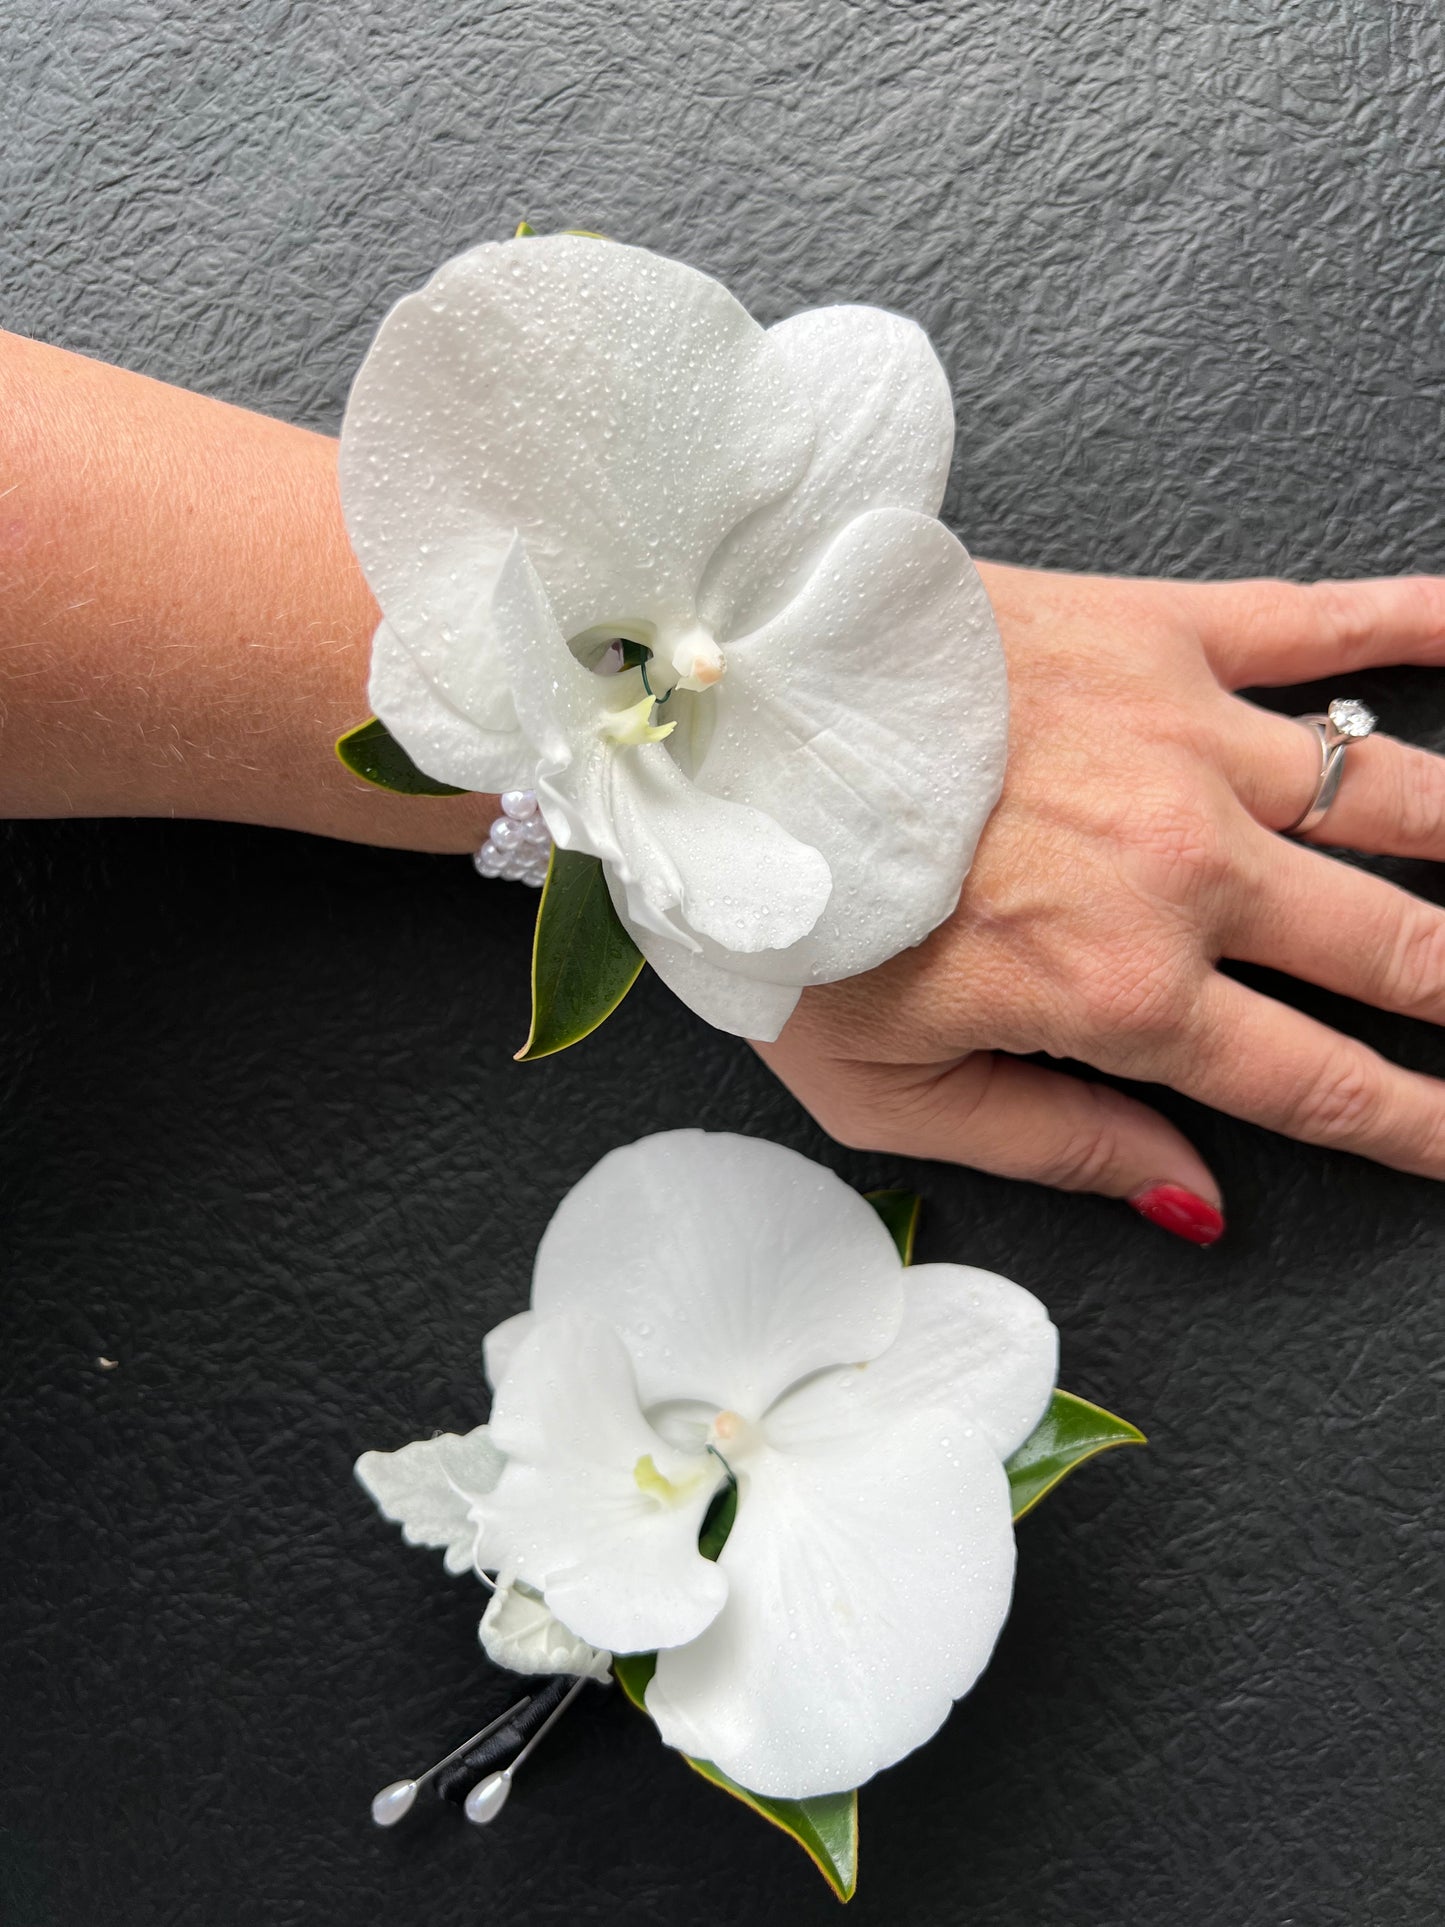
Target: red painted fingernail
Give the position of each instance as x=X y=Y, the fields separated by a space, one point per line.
x=1183 y=1212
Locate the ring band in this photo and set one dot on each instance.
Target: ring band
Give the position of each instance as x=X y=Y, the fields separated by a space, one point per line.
x=1345 y=722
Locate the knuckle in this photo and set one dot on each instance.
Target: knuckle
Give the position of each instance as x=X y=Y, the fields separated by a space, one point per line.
x=1180 y=852
x=856 y=1126
x=1342 y=616
x=1418 y=802
x=1413 y=976
x=876 y=1112
x=1086 y=1159
x=1340 y=1102
x=1430 y=1151
x=1133 y=999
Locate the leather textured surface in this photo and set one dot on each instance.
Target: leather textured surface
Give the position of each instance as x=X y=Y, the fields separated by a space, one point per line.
x=263 y=1141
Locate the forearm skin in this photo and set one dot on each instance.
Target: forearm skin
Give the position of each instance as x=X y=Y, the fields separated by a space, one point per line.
x=184 y=630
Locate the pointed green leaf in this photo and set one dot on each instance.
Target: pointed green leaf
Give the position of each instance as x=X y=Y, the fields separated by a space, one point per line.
x=825 y=1828
x=583 y=961
x=900 y=1211
x=371 y=752
x=719 y=1520
x=523 y=228
x=1069 y=1432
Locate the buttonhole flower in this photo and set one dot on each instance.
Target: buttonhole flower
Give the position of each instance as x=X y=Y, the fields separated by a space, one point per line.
x=705 y=1308
x=682 y=576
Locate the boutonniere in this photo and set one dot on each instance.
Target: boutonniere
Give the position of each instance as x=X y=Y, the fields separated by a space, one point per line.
x=749 y=1458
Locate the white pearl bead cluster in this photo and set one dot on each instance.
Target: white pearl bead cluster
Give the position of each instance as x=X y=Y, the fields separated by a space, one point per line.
x=518 y=844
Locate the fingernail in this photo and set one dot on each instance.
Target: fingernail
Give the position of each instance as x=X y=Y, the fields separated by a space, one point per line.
x=1183 y=1212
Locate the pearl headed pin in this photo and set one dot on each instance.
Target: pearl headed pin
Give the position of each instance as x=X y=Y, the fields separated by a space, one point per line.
x=396 y=1801
x=489 y=1796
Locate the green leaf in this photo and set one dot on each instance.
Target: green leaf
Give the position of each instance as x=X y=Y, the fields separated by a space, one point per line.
x=900 y=1211
x=371 y=752
x=583 y=961
x=719 y=1520
x=1069 y=1432
x=525 y=228
x=826 y=1828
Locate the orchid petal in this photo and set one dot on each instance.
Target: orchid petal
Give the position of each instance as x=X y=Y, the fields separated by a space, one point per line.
x=430 y=1489
x=594 y=1509
x=970 y=1342
x=885 y=437
x=562 y=388
x=867 y=1586
x=870 y=717
x=731 y=873
x=501 y=1342
x=444 y=733
x=728 y=871
x=518 y=1632
x=731 y=1267
x=746 y=1006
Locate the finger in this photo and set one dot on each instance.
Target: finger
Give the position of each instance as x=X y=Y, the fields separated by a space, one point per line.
x=1020 y=1120
x=1391 y=799
x=1301 y=912
x=1270 y=632
x=1262 y=1061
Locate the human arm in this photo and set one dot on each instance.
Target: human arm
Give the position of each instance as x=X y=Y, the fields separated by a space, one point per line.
x=183 y=628
x=185 y=631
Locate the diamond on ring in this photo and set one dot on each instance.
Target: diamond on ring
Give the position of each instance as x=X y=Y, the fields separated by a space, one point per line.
x=1351 y=718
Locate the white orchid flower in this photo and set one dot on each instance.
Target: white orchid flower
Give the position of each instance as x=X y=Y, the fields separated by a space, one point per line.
x=707 y=1306
x=561 y=442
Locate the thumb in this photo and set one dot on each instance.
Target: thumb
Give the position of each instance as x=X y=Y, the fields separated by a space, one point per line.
x=1020 y=1120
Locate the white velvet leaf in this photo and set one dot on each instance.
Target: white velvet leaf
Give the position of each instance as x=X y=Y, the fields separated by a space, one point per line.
x=430 y=1488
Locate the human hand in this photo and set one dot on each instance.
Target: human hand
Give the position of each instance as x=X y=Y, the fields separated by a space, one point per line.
x=1134 y=847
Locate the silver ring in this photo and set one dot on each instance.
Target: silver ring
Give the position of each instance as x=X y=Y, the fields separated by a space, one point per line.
x=1345 y=722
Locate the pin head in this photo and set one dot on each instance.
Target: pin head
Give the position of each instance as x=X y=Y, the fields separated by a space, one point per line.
x=488 y=1797
x=393 y=1803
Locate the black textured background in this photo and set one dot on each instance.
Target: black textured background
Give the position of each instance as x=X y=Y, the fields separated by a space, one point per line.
x=263 y=1142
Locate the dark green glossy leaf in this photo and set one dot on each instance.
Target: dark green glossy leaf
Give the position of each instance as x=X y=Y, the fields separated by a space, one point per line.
x=371 y=752
x=583 y=961
x=900 y=1211
x=719 y=1521
x=825 y=1828
x=1069 y=1432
